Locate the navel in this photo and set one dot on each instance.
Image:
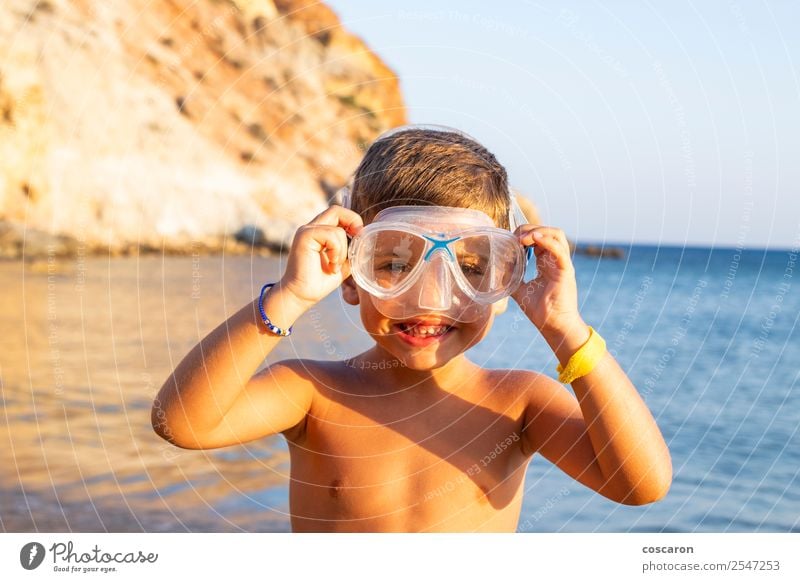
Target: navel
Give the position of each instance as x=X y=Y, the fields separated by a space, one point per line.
x=335 y=488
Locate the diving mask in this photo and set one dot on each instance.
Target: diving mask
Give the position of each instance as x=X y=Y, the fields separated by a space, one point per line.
x=415 y=260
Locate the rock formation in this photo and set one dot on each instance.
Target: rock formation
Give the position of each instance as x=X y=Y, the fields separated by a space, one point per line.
x=166 y=123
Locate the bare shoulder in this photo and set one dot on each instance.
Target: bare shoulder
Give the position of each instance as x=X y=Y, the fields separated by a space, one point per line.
x=313 y=375
x=545 y=406
x=299 y=368
x=315 y=372
x=300 y=385
x=533 y=396
x=527 y=385
x=320 y=378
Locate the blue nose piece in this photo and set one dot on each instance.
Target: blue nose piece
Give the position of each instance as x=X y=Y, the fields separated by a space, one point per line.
x=440 y=243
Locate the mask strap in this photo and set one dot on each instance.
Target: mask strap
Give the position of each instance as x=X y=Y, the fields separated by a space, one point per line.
x=344 y=196
x=517 y=218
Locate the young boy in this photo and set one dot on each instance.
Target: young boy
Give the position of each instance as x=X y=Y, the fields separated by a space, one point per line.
x=411 y=435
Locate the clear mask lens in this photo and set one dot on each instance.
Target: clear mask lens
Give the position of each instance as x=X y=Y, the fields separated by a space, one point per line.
x=443 y=260
x=394 y=256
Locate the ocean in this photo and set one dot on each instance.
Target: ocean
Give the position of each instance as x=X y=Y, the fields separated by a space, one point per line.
x=708 y=336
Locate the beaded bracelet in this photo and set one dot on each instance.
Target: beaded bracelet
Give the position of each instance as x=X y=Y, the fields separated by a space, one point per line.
x=270 y=326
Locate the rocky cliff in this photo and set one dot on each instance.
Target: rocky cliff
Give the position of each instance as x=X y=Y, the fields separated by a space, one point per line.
x=166 y=123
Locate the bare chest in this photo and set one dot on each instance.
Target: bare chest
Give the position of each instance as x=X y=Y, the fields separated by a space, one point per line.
x=429 y=468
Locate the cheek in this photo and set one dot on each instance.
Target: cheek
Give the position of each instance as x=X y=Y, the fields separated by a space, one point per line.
x=372 y=319
x=475 y=332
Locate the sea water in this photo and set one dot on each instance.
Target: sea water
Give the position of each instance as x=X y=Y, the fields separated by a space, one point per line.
x=708 y=336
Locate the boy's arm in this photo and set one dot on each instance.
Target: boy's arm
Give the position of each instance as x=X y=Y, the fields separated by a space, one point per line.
x=212 y=398
x=606 y=438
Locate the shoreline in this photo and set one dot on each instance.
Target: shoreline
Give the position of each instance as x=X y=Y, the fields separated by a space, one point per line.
x=33 y=245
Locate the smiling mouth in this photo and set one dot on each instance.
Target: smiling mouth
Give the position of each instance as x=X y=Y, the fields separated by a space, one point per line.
x=424 y=331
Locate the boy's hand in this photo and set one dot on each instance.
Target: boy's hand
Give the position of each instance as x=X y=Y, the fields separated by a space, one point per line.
x=551 y=299
x=317 y=261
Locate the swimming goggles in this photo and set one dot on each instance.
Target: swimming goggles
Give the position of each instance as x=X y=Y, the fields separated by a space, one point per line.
x=416 y=260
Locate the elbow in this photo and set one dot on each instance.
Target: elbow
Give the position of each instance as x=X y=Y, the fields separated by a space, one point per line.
x=654 y=488
x=165 y=432
x=183 y=439
x=647 y=495
x=661 y=480
x=159 y=420
x=159 y=417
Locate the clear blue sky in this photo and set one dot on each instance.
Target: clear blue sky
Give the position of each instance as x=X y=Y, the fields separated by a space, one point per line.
x=654 y=122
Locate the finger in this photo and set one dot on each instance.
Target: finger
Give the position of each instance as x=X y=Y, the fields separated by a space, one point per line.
x=527 y=229
x=336 y=253
x=524 y=231
x=329 y=241
x=341 y=249
x=530 y=234
x=527 y=233
x=328 y=257
x=553 y=241
x=561 y=237
x=523 y=234
x=341 y=217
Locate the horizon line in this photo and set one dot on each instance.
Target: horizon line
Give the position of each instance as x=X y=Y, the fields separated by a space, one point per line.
x=678 y=245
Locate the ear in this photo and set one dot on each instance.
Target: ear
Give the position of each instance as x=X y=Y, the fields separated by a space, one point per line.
x=349 y=291
x=500 y=306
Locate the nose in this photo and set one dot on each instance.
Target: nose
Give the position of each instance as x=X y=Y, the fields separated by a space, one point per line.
x=435 y=291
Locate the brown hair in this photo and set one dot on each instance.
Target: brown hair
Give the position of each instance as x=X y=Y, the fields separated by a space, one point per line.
x=424 y=166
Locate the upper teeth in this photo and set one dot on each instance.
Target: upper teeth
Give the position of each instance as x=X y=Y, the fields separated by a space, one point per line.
x=426 y=329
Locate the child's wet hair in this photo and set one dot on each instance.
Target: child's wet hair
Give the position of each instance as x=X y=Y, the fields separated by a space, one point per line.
x=424 y=166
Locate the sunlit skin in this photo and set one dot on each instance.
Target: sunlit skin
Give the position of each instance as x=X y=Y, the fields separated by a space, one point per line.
x=411 y=435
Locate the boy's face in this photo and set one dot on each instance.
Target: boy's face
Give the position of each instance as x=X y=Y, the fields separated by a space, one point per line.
x=422 y=342
x=422 y=327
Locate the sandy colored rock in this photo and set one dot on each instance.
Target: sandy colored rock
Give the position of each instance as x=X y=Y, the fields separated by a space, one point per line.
x=137 y=122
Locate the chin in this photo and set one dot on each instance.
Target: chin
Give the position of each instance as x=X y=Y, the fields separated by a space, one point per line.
x=417 y=359
x=425 y=343
x=424 y=363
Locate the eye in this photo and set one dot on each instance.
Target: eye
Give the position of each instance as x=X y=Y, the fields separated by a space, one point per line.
x=471 y=269
x=394 y=266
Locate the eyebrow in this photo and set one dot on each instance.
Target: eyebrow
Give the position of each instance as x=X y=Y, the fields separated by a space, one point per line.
x=393 y=253
x=471 y=255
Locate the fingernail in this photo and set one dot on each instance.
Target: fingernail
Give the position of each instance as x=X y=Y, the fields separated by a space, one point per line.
x=537 y=235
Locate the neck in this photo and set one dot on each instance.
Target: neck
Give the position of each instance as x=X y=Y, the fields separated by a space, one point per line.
x=450 y=377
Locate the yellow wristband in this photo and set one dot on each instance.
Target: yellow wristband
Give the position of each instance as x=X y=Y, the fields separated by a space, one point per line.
x=584 y=360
